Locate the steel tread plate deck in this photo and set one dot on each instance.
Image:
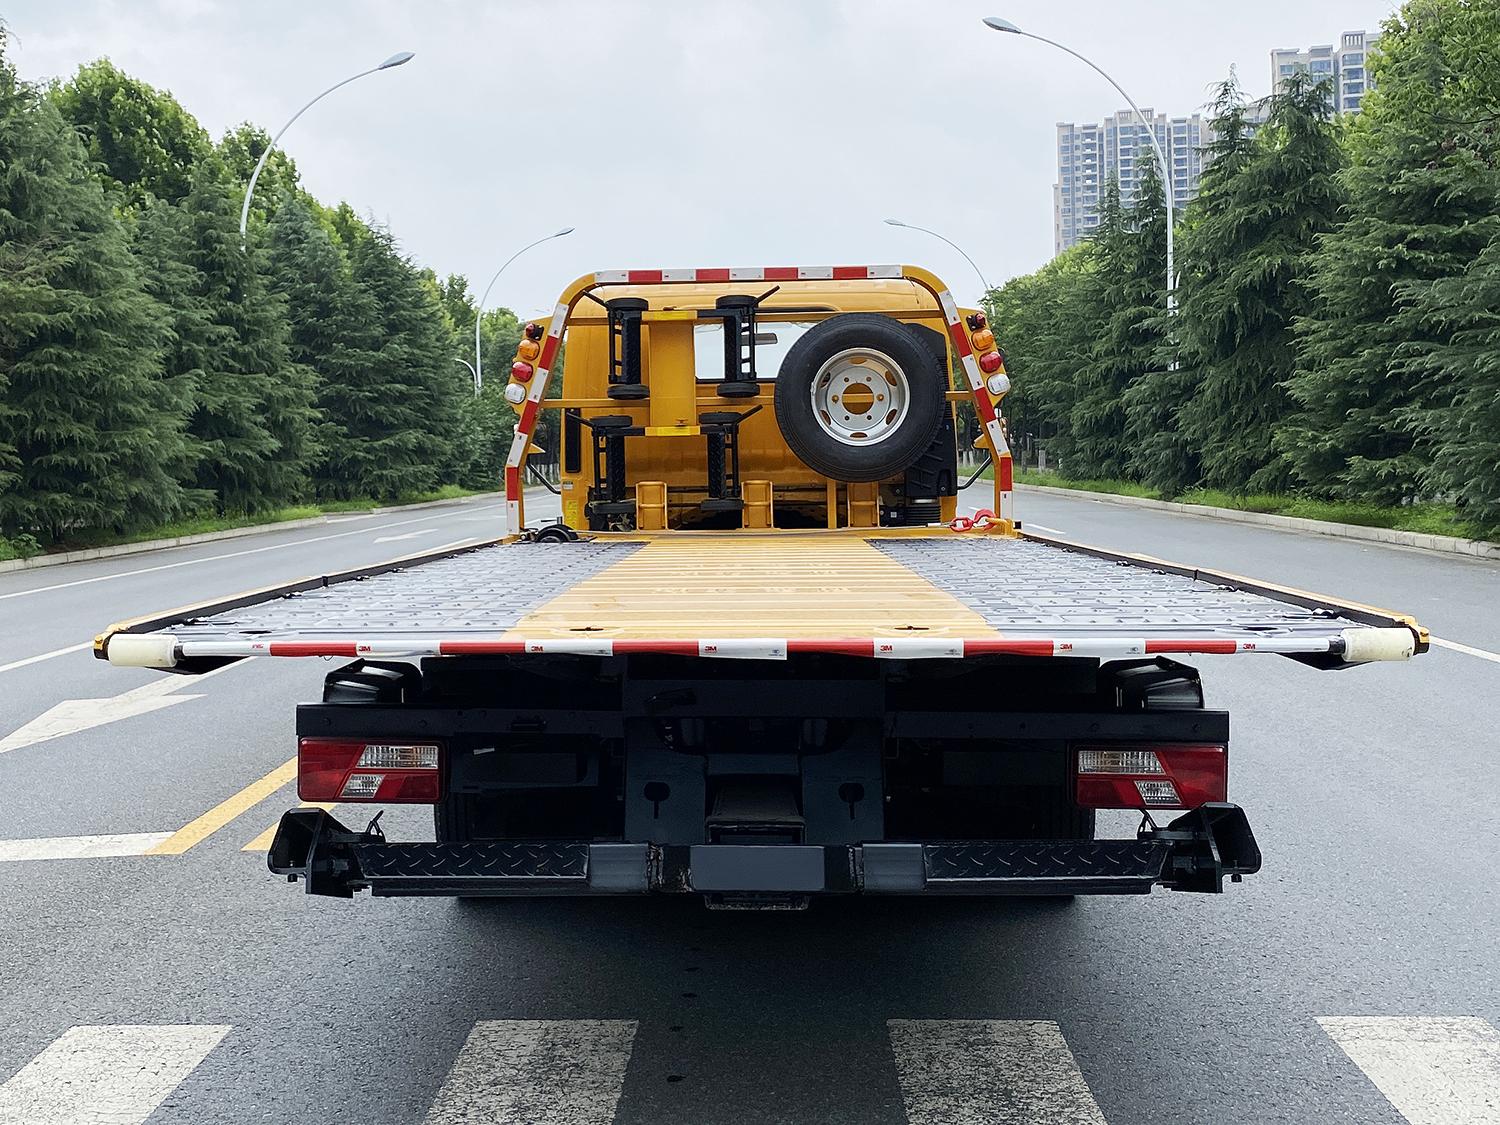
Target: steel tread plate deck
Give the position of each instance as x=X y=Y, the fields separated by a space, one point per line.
x=1022 y=588
x=1128 y=865
x=486 y=591
x=965 y=867
x=531 y=862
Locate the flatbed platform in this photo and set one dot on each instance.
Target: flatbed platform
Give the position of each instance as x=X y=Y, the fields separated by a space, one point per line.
x=913 y=594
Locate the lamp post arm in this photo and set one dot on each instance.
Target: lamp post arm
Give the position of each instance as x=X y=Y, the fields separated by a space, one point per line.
x=1161 y=156
x=470 y=366
x=960 y=249
x=479 y=311
x=261 y=163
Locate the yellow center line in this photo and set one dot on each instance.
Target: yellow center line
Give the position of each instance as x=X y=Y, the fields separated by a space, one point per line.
x=221 y=814
x=262 y=843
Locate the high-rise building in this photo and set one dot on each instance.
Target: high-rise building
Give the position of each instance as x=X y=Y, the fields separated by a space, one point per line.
x=1345 y=65
x=1087 y=155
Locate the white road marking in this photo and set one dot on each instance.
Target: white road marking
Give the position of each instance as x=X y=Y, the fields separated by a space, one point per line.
x=45 y=656
x=522 y=1072
x=209 y=558
x=1454 y=645
x=989 y=1072
x=1435 y=1070
x=80 y=847
x=408 y=535
x=105 y=1075
x=1029 y=526
x=74 y=715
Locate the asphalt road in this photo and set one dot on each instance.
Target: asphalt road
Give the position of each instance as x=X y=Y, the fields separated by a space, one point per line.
x=198 y=981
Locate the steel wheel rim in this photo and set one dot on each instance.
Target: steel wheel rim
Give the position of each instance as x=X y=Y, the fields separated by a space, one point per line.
x=856 y=417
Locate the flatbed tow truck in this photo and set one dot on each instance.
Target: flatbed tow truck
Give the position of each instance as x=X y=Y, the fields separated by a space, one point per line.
x=761 y=657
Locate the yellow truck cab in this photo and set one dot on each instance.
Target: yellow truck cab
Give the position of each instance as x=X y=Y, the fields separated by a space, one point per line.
x=762 y=656
x=752 y=399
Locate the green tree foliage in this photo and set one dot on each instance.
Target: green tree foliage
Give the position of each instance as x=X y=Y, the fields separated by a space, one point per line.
x=240 y=149
x=143 y=139
x=251 y=414
x=1262 y=208
x=1421 y=206
x=89 y=430
x=1129 y=287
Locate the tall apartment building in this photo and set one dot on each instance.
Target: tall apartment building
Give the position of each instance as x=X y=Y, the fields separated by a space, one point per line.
x=1344 y=64
x=1087 y=155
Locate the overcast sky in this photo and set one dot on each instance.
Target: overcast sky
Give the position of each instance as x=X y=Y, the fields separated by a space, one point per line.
x=681 y=132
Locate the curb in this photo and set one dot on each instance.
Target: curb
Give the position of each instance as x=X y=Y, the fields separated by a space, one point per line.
x=1445 y=544
x=230 y=533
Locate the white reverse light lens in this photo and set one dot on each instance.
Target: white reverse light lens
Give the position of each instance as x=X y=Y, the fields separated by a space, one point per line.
x=1159 y=793
x=998 y=384
x=1120 y=761
x=362 y=785
x=515 y=394
x=383 y=756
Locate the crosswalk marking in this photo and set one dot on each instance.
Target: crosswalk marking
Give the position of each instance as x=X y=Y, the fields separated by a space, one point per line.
x=521 y=1072
x=1434 y=1070
x=81 y=847
x=114 y=1075
x=989 y=1072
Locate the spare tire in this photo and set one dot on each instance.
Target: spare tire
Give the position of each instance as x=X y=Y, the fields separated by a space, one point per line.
x=860 y=397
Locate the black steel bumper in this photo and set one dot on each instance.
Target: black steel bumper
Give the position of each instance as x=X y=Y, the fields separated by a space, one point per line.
x=1193 y=853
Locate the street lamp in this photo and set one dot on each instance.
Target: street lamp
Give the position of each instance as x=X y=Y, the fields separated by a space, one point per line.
x=478 y=368
x=950 y=242
x=999 y=24
x=470 y=366
x=395 y=60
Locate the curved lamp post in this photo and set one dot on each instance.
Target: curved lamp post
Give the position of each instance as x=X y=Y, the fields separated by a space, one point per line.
x=470 y=366
x=394 y=60
x=478 y=367
x=998 y=24
x=950 y=242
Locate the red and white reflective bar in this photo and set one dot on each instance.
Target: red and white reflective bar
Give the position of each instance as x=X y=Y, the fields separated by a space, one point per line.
x=756 y=273
x=162 y=650
x=526 y=422
x=983 y=403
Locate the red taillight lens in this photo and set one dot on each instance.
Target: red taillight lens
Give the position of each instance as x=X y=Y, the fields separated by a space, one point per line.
x=1157 y=776
x=990 y=362
x=521 y=371
x=335 y=769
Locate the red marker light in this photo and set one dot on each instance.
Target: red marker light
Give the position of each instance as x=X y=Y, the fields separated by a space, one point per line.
x=990 y=362
x=534 y=331
x=977 y=321
x=521 y=371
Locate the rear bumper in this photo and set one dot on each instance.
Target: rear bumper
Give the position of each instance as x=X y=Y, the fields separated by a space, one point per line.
x=1193 y=853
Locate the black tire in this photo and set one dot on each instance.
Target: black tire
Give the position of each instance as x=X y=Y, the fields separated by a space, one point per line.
x=892 y=443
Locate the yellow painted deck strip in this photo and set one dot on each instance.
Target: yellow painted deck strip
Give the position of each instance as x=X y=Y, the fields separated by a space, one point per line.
x=728 y=587
x=221 y=814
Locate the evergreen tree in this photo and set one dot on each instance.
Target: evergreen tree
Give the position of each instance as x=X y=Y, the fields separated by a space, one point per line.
x=88 y=428
x=141 y=137
x=1421 y=206
x=1264 y=206
x=1046 y=323
x=1129 y=287
x=251 y=414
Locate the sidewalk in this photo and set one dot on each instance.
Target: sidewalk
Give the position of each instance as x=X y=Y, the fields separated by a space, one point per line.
x=1446 y=544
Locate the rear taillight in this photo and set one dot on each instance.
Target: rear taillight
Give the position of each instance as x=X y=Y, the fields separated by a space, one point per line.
x=336 y=769
x=1162 y=776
